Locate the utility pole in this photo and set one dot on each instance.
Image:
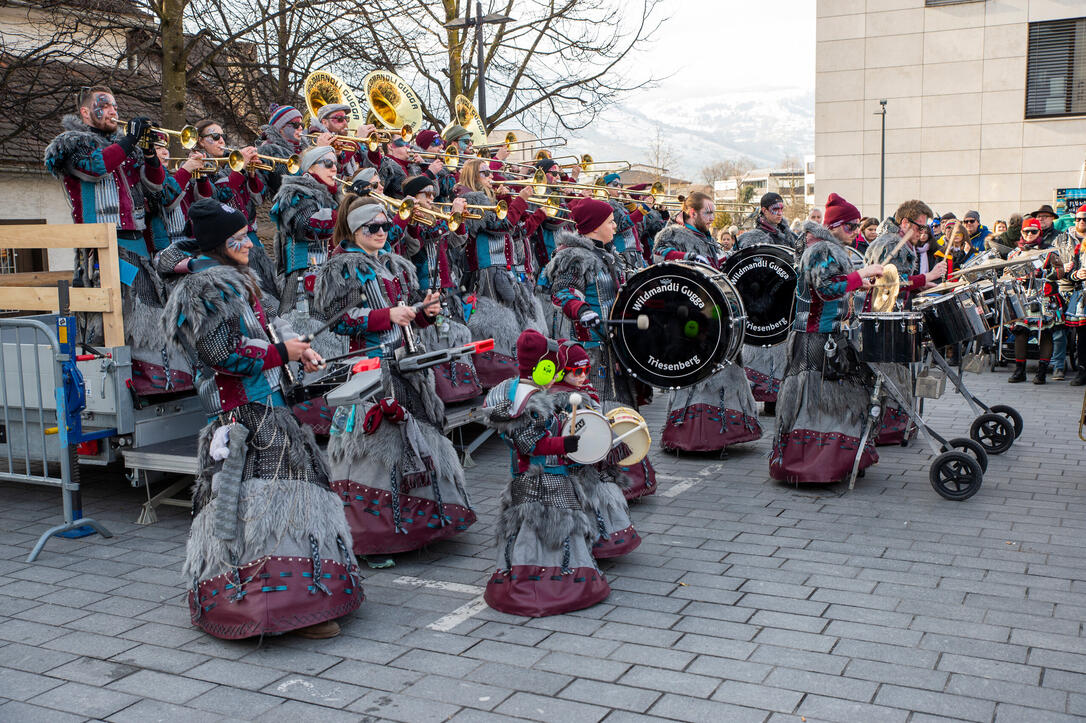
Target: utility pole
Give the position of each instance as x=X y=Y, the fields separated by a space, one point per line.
x=882 y=164
x=478 y=22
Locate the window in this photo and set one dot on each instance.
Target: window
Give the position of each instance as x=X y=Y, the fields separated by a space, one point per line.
x=932 y=3
x=1056 y=69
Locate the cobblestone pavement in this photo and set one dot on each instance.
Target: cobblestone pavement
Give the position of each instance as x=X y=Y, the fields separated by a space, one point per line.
x=747 y=601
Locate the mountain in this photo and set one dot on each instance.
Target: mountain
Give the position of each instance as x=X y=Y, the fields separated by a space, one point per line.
x=763 y=126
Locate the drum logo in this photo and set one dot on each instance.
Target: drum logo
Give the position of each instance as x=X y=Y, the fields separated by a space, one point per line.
x=674 y=366
x=669 y=286
x=759 y=263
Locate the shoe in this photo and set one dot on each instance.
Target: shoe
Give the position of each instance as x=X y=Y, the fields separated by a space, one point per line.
x=1019 y=374
x=770 y=409
x=1080 y=379
x=1057 y=375
x=1042 y=371
x=320 y=631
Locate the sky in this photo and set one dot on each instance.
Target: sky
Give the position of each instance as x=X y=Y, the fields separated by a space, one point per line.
x=738 y=73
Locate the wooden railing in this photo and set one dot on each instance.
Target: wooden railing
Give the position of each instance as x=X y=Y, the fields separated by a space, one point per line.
x=37 y=291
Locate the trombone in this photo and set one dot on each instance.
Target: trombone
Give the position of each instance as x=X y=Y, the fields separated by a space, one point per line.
x=373 y=141
x=500 y=209
x=588 y=165
x=511 y=140
x=188 y=134
x=292 y=162
x=211 y=164
x=450 y=156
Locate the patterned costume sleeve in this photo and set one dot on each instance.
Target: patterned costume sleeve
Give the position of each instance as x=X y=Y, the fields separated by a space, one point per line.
x=828 y=280
x=94 y=164
x=567 y=293
x=337 y=292
x=227 y=350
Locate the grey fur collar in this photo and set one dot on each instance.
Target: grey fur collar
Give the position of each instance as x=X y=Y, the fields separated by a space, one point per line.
x=78 y=138
x=499 y=414
x=270 y=135
x=819 y=231
x=201 y=301
x=336 y=276
x=679 y=237
x=305 y=185
x=567 y=238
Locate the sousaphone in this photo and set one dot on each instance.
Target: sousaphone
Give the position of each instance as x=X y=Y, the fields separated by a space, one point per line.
x=468 y=117
x=323 y=88
x=393 y=104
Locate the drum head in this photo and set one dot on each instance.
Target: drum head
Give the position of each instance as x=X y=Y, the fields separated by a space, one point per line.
x=765 y=278
x=696 y=321
x=631 y=426
x=594 y=436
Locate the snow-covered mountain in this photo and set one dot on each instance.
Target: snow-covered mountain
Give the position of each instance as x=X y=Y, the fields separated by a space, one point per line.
x=763 y=126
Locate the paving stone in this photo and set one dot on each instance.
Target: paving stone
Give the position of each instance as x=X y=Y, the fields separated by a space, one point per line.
x=951 y=706
x=17 y=685
x=1008 y=713
x=84 y=699
x=301 y=711
x=31 y=659
x=986 y=668
x=830 y=685
x=224 y=700
x=896 y=673
x=90 y=644
x=25 y=713
x=757 y=696
x=156 y=710
x=513 y=677
x=672 y=681
x=231 y=672
x=162 y=686
x=611 y=695
x=465 y=693
x=154 y=657
x=316 y=690
x=537 y=707
x=681 y=707
x=819 y=707
x=92 y=671
x=582 y=667
x=1007 y=692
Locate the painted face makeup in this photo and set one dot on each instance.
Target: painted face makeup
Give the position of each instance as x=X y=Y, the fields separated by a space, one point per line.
x=101 y=102
x=237 y=242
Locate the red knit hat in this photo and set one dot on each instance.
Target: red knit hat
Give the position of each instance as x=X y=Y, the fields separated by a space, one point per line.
x=531 y=347
x=426 y=138
x=839 y=211
x=1031 y=223
x=589 y=214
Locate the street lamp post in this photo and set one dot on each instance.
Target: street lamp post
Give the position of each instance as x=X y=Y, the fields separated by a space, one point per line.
x=882 y=164
x=478 y=22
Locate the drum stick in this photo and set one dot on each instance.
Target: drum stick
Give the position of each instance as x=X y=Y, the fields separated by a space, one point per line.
x=641 y=321
x=574 y=401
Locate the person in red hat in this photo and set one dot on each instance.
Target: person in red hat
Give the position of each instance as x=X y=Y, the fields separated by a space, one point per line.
x=603 y=482
x=1040 y=319
x=544 y=532
x=824 y=398
x=583 y=279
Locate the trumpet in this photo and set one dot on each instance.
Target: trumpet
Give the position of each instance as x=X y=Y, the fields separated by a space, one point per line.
x=500 y=209
x=450 y=156
x=550 y=204
x=292 y=162
x=210 y=165
x=373 y=141
x=188 y=135
x=430 y=217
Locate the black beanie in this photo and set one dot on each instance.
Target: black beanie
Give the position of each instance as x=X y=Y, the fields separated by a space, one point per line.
x=546 y=164
x=213 y=222
x=418 y=184
x=770 y=198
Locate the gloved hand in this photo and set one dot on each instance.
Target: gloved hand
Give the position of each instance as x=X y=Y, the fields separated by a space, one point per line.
x=361 y=188
x=588 y=317
x=137 y=128
x=571 y=443
x=702 y=259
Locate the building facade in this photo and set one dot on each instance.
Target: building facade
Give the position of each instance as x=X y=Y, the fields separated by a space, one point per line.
x=985 y=102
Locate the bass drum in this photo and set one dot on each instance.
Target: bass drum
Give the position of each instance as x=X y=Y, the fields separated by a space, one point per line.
x=696 y=321
x=765 y=278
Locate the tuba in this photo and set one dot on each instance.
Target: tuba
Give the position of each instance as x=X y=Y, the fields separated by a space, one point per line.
x=323 y=88
x=464 y=114
x=393 y=104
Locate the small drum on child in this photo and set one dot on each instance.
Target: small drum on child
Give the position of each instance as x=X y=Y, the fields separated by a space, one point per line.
x=630 y=428
x=890 y=337
x=593 y=432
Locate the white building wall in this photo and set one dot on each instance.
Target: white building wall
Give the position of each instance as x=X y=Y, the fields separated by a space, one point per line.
x=954 y=80
x=32 y=196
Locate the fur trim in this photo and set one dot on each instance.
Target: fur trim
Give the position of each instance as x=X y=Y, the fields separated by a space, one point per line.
x=79 y=139
x=879 y=253
x=491 y=320
x=202 y=301
x=676 y=236
x=819 y=231
x=489 y=221
x=274 y=143
x=497 y=410
x=580 y=257
x=298 y=198
x=552 y=525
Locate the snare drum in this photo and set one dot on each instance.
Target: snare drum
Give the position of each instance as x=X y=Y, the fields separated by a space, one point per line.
x=890 y=337
x=593 y=432
x=630 y=428
x=952 y=318
x=696 y=323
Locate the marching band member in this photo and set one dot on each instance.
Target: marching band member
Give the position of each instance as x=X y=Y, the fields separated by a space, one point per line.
x=461 y=136
x=506 y=304
x=720 y=411
x=648 y=221
x=269 y=545
x=627 y=244
x=107 y=172
x=1072 y=250
x=583 y=279
x=430 y=141
x=545 y=563
x=602 y=482
x=281 y=138
x=765 y=365
x=824 y=395
x=896 y=244
x=167 y=208
x=399 y=476
x=1044 y=315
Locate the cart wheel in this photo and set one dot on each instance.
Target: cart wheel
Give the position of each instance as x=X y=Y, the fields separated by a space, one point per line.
x=994 y=432
x=955 y=475
x=1012 y=414
x=973 y=448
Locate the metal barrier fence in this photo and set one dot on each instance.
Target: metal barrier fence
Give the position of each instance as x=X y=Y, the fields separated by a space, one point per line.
x=41 y=398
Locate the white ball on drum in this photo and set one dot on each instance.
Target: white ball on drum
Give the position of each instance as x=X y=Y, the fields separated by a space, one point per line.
x=575 y=400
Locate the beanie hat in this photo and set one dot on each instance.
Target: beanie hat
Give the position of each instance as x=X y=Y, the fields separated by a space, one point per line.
x=1031 y=223
x=839 y=211
x=531 y=347
x=572 y=355
x=769 y=199
x=313 y=155
x=417 y=184
x=327 y=110
x=283 y=114
x=546 y=164
x=454 y=132
x=363 y=213
x=426 y=138
x=972 y=215
x=214 y=222
x=589 y=214
x=610 y=178
x=948 y=216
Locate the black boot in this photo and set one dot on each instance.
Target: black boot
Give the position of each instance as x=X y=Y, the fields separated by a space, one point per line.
x=1080 y=378
x=1019 y=374
x=1042 y=372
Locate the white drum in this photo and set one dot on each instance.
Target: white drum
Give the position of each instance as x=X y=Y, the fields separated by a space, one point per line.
x=593 y=432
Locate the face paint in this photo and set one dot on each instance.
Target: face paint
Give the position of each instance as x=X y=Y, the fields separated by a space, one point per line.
x=101 y=102
x=236 y=243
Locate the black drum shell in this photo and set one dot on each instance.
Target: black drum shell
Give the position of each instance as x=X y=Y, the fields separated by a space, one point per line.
x=696 y=320
x=952 y=318
x=894 y=337
x=765 y=277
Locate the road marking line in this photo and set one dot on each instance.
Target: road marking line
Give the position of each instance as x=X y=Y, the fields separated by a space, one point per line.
x=677 y=489
x=462 y=613
x=438 y=585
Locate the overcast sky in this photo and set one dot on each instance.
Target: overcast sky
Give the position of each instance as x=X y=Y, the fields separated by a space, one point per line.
x=735 y=45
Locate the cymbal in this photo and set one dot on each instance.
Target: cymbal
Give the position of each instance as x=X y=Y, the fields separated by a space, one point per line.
x=945 y=287
x=996 y=264
x=888 y=286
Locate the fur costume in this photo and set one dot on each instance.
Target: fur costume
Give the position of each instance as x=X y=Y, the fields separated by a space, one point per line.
x=400 y=480
x=676 y=239
x=713 y=414
x=304 y=213
x=545 y=563
x=602 y=484
x=274 y=143
x=779 y=235
x=626 y=241
x=491 y=320
x=456 y=381
x=269 y=548
x=823 y=401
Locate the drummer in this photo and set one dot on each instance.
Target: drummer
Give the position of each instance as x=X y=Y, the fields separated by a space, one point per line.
x=1046 y=311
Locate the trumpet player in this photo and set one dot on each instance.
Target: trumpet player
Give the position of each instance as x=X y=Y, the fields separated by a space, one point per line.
x=433 y=241
x=445 y=180
x=282 y=137
x=167 y=209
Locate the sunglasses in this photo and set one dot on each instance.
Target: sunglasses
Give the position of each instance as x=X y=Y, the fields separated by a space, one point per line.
x=1080 y=218
x=337 y=118
x=576 y=371
x=486 y=174
x=326 y=162
x=214 y=136
x=853 y=227
x=1029 y=231
x=970 y=220
x=373 y=228
x=399 y=143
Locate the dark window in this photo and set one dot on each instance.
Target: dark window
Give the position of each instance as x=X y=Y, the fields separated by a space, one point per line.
x=1056 y=69
x=931 y=3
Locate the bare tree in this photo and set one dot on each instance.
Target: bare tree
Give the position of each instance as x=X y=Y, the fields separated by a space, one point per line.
x=662 y=155
x=726 y=169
